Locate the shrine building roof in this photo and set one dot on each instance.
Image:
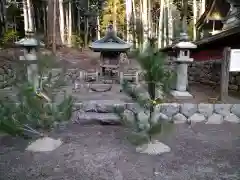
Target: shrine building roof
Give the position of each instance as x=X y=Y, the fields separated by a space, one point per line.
x=110 y=42
x=216 y=10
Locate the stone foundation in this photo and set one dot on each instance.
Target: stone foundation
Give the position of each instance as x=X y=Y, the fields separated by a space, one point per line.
x=209 y=72
x=178 y=113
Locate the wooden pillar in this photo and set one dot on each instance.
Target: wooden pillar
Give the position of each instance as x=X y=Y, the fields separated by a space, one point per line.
x=225 y=74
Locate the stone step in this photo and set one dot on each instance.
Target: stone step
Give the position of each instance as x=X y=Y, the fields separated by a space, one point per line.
x=101 y=106
x=89 y=118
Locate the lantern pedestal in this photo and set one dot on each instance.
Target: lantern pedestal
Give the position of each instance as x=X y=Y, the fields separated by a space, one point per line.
x=180 y=91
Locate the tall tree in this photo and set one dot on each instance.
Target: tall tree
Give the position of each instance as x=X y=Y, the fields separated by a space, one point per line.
x=53 y=14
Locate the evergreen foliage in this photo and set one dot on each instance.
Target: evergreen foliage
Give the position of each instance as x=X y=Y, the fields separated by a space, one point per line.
x=32 y=110
x=156 y=77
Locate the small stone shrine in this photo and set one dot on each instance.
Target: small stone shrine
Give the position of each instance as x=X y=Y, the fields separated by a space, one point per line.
x=110 y=47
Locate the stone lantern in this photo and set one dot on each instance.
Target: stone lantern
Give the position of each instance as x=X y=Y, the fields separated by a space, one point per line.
x=182 y=60
x=30 y=45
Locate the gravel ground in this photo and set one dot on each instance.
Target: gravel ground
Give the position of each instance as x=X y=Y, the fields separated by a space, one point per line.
x=102 y=153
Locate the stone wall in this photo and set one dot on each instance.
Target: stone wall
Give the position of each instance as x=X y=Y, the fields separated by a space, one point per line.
x=178 y=113
x=209 y=72
x=207 y=113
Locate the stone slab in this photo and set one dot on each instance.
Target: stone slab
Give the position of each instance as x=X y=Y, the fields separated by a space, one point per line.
x=181 y=95
x=97 y=118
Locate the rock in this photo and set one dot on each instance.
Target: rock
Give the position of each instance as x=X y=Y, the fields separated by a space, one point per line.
x=215 y=119
x=236 y=109
x=77 y=106
x=205 y=109
x=144 y=126
x=128 y=116
x=188 y=109
x=179 y=118
x=232 y=118
x=133 y=106
x=170 y=109
x=96 y=118
x=163 y=117
x=108 y=106
x=144 y=95
x=89 y=106
x=159 y=117
x=143 y=117
x=1 y=77
x=233 y=87
x=159 y=94
x=155 y=118
x=44 y=145
x=153 y=148
x=197 y=117
x=158 y=108
x=223 y=109
x=104 y=108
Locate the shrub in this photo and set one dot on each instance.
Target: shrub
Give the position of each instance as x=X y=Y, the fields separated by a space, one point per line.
x=33 y=110
x=9 y=37
x=77 y=41
x=146 y=122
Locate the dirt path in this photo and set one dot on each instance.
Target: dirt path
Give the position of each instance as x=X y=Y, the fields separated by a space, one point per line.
x=102 y=153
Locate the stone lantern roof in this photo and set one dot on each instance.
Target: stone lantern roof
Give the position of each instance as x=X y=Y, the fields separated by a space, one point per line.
x=185 y=45
x=29 y=42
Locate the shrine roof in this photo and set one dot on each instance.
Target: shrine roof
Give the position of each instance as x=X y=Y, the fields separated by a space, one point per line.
x=109 y=46
x=222 y=39
x=110 y=42
x=217 y=10
x=220 y=36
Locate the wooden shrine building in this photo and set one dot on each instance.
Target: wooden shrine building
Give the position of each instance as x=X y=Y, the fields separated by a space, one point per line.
x=218 y=28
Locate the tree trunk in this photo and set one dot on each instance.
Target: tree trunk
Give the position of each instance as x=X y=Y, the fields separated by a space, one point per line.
x=128 y=17
x=145 y=22
x=3 y=25
x=115 y=15
x=150 y=32
x=70 y=24
x=98 y=28
x=61 y=21
x=30 y=17
x=194 y=19
x=86 y=27
x=184 y=19
x=78 y=22
x=134 y=24
x=44 y=20
x=170 y=22
x=203 y=6
x=160 y=25
x=54 y=27
x=25 y=14
x=53 y=19
x=165 y=27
